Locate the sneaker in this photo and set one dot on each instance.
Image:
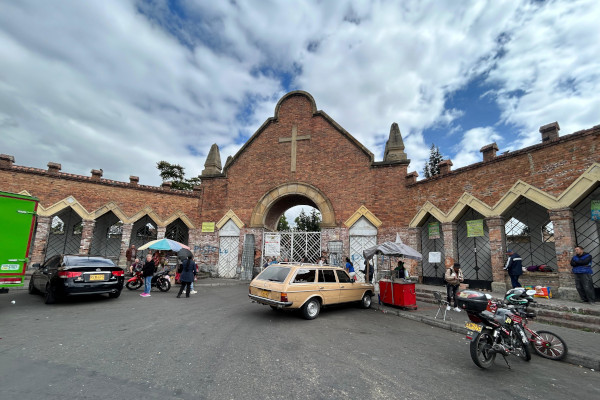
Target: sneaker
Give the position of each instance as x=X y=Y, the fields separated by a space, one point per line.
x=193 y=292
x=448 y=308
x=457 y=309
x=147 y=294
x=143 y=294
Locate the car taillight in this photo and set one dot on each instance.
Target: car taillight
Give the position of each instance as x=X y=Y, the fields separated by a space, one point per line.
x=68 y=274
x=284 y=297
x=118 y=273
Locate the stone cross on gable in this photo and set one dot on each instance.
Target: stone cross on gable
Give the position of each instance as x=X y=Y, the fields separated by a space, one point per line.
x=294 y=139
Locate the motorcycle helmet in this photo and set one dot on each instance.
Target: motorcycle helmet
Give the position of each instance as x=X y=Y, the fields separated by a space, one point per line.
x=517 y=296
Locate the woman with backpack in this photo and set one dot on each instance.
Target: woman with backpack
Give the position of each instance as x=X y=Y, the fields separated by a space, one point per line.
x=188 y=271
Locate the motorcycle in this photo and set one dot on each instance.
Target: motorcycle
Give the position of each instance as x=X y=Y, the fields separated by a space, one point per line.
x=492 y=333
x=545 y=343
x=160 y=280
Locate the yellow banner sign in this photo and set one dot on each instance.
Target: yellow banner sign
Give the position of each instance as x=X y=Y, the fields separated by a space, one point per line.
x=475 y=228
x=208 y=227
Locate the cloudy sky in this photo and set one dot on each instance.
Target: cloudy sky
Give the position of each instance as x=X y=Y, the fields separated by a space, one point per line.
x=122 y=84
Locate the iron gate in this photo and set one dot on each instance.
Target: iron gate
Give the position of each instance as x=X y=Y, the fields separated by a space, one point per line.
x=65 y=233
x=177 y=231
x=296 y=246
x=587 y=233
x=227 y=266
x=474 y=253
x=106 y=240
x=143 y=231
x=530 y=233
x=433 y=273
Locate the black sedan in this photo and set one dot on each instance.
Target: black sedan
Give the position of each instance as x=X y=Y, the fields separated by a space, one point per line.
x=65 y=275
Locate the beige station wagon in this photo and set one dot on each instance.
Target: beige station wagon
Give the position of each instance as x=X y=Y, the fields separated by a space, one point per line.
x=307 y=287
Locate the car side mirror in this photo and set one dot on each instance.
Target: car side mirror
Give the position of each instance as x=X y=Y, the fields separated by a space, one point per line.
x=36 y=265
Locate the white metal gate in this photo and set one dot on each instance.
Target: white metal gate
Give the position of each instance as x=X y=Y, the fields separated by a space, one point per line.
x=362 y=236
x=229 y=244
x=293 y=246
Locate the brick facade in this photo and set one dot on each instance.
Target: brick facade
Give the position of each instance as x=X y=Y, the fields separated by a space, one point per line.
x=345 y=175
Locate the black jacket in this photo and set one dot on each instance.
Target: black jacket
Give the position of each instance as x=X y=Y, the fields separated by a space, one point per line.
x=188 y=272
x=148 y=269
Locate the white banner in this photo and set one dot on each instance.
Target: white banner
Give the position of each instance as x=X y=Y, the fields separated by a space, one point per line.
x=435 y=257
x=272 y=245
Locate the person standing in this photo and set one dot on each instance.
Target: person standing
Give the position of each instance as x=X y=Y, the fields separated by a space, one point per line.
x=514 y=267
x=453 y=276
x=130 y=256
x=582 y=269
x=401 y=270
x=187 y=276
x=147 y=272
x=350 y=268
x=369 y=271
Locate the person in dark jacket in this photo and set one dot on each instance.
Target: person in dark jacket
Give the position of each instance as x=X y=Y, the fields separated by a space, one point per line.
x=582 y=269
x=514 y=267
x=147 y=272
x=187 y=276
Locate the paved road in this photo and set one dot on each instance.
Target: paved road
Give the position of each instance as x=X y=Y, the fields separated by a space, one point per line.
x=219 y=345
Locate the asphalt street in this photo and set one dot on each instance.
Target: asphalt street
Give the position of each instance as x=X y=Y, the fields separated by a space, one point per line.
x=219 y=345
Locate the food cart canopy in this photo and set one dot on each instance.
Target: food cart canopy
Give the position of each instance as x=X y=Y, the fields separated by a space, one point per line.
x=396 y=249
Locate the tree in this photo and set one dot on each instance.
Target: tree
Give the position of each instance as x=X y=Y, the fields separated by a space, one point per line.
x=175 y=174
x=432 y=167
x=283 y=225
x=308 y=223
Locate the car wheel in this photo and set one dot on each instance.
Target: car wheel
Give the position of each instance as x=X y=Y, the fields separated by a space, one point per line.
x=311 y=309
x=49 y=296
x=366 y=301
x=114 y=295
x=32 y=289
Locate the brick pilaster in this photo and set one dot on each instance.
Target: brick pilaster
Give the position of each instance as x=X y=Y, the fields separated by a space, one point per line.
x=41 y=239
x=125 y=239
x=449 y=230
x=87 y=233
x=497 y=251
x=160 y=232
x=564 y=244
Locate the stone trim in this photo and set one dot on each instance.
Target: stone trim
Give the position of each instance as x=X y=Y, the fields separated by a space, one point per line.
x=111 y=206
x=363 y=212
x=230 y=215
x=571 y=196
x=257 y=220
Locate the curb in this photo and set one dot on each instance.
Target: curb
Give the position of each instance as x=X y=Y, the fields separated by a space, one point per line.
x=573 y=357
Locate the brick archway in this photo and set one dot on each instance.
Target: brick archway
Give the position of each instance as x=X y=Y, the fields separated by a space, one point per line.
x=279 y=199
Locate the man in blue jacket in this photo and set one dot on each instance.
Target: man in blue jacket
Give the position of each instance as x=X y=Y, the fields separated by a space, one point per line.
x=582 y=269
x=514 y=267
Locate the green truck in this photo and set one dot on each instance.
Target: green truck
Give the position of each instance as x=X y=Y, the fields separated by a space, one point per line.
x=17 y=224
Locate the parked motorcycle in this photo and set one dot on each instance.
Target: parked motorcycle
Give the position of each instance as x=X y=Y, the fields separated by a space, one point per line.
x=160 y=280
x=545 y=343
x=492 y=333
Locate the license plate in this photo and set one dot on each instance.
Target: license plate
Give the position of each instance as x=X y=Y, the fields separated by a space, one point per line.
x=96 y=277
x=264 y=293
x=473 y=327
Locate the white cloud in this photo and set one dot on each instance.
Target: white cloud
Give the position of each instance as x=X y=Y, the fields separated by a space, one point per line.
x=467 y=151
x=120 y=85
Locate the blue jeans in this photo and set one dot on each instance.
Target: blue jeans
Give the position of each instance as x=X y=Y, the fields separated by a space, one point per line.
x=147 y=284
x=514 y=279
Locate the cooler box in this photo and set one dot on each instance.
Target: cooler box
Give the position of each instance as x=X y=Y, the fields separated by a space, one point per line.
x=472 y=300
x=404 y=294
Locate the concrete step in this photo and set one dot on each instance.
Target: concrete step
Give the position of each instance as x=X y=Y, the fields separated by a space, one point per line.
x=583 y=326
x=593 y=320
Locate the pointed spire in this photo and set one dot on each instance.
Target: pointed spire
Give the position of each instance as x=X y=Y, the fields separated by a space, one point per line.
x=212 y=166
x=394 y=148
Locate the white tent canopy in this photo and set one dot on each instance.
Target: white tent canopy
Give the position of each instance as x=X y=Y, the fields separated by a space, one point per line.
x=395 y=249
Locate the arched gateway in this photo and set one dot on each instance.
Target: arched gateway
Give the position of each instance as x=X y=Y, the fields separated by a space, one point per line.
x=530 y=198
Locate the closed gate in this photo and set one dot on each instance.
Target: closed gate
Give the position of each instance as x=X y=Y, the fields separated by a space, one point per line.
x=362 y=236
x=474 y=253
x=432 y=241
x=293 y=246
x=229 y=246
x=65 y=233
x=587 y=233
x=106 y=241
x=530 y=233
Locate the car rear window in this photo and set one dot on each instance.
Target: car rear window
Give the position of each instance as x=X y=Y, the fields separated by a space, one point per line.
x=305 y=275
x=274 y=274
x=88 y=262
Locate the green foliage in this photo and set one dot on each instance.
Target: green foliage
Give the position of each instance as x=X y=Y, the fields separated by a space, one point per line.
x=283 y=225
x=432 y=167
x=175 y=174
x=308 y=223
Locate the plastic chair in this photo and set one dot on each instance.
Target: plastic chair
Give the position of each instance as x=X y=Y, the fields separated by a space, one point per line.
x=441 y=304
